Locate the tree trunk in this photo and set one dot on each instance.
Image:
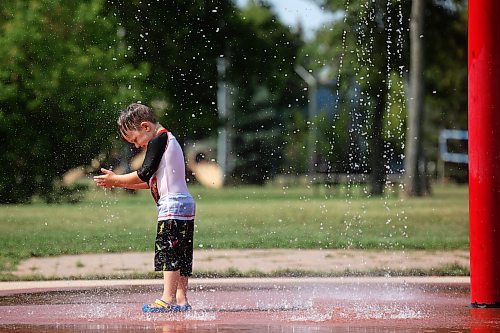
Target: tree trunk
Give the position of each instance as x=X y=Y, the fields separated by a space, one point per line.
x=377 y=161
x=414 y=168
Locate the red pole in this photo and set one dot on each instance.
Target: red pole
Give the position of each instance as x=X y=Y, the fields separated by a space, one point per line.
x=484 y=151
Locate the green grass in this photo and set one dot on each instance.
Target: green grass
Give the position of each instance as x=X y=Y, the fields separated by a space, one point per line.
x=243 y=217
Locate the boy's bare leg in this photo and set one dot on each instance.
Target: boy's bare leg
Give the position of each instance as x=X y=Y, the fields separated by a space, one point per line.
x=181 y=294
x=170 y=281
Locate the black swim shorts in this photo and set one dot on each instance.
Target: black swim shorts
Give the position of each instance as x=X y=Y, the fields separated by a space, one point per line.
x=174 y=246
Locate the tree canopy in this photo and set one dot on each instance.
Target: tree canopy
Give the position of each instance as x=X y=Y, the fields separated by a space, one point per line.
x=63 y=71
x=182 y=42
x=69 y=66
x=368 y=49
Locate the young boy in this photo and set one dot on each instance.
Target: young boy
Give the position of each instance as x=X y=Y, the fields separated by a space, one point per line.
x=163 y=171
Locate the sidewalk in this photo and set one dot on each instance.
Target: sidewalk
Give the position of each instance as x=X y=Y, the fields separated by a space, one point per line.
x=267 y=261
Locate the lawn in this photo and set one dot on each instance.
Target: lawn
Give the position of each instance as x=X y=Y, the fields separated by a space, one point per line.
x=240 y=217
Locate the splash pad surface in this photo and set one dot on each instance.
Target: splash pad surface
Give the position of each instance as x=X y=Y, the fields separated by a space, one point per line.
x=250 y=305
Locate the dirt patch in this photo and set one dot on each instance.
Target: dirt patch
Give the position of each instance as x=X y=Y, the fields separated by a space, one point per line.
x=266 y=261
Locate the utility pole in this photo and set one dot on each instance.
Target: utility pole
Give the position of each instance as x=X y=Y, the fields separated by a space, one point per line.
x=224 y=107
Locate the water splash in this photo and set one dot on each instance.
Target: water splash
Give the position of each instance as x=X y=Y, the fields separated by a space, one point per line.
x=381 y=312
x=110 y=200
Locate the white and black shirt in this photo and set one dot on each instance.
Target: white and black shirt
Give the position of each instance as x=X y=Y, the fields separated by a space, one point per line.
x=165 y=171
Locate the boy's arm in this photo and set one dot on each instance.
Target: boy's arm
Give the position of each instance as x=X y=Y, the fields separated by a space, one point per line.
x=138 y=179
x=110 y=179
x=154 y=154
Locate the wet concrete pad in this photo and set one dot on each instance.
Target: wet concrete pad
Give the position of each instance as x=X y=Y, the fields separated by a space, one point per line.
x=254 y=305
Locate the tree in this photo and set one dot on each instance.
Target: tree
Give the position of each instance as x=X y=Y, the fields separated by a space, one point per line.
x=415 y=184
x=182 y=41
x=63 y=73
x=445 y=78
x=262 y=52
x=355 y=44
x=440 y=86
x=366 y=49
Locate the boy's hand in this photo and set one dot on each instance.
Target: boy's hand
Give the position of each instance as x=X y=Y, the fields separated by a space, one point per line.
x=106 y=180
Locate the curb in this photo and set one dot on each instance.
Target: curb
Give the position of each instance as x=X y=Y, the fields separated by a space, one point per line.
x=31 y=286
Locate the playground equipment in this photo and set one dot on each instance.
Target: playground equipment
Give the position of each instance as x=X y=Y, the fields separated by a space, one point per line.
x=484 y=152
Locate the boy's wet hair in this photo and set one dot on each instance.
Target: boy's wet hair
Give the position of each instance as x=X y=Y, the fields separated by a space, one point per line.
x=132 y=116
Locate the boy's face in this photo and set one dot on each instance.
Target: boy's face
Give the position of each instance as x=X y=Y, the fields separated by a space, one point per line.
x=141 y=136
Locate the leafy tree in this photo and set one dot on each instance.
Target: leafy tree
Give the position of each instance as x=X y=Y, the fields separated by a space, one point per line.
x=263 y=55
x=445 y=76
x=182 y=41
x=365 y=48
x=369 y=47
x=445 y=73
x=63 y=71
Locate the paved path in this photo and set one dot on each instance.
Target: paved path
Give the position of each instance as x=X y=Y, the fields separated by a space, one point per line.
x=245 y=261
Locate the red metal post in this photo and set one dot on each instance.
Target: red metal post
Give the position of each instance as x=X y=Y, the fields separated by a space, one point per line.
x=484 y=151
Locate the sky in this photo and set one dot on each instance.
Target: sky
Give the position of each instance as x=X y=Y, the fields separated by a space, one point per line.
x=291 y=12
